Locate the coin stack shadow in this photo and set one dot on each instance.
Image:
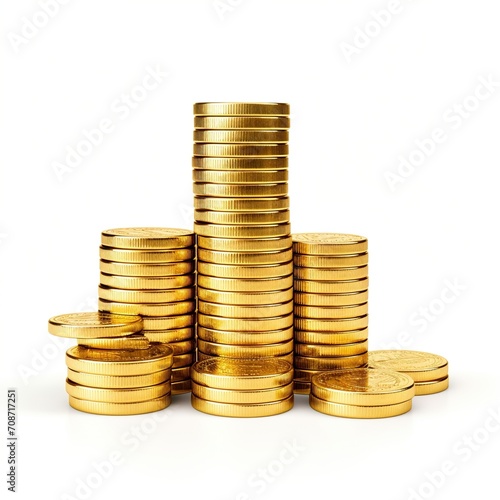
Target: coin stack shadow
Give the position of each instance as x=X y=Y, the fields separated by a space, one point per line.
x=151 y=272
x=330 y=304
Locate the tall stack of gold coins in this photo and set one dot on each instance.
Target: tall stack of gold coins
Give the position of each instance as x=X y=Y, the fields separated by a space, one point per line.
x=151 y=272
x=242 y=222
x=114 y=370
x=330 y=304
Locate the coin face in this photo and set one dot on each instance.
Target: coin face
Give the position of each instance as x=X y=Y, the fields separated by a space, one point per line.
x=242 y=368
x=156 y=351
x=329 y=243
x=147 y=232
x=332 y=238
x=241 y=108
x=147 y=238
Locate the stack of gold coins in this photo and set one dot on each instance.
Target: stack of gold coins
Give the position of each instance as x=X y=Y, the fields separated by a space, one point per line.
x=429 y=371
x=242 y=221
x=114 y=370
x=362 y=393
x=330 y=304
x=151 y=272
x=242 y=387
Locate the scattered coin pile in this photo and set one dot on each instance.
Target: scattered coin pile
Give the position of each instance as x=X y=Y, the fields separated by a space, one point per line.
x=330 y=304
x=151 y=272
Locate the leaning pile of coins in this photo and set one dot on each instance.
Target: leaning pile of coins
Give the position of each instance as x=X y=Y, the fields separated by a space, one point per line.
x=330 y=304
x=114 y=369
x=242 y=387
x=151 y=272
x=242 y=222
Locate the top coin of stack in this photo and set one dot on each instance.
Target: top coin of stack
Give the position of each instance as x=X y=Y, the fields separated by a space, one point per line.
x=242 y=219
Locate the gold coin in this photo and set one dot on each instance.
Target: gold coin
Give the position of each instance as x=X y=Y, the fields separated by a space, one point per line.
x=182 y=373
x=146 y=296
x=320 y=274
x=242 y=374
x=242 y=204
x=245 y=285
x=352 y=411
x=242 y=397
x=255 y=231
x=134 y=341
x=245 y=245
x=181 y=387
x=242 y=122
x=421 y=366
x=100 y=408
x=156 y=270
x=330 y=300
x=363 y=387
x=310 y=363
x=173 y=335
x=231 y=311
x=331 y=338
x=156 y=309
x=240 y=150
x=244 y=258
x=302 y=375
x=147 y=238
x=238 y=351
x=182 y=360
x=162 y=324
x=145 y=256
x=148 y=283
x=331 y=325
x=244 y=338
x=241 y=108
x=329 y=244
x=251 y=272
x=91 y=325
x=431 y=387
x=117 y=395
x=245 y=298
x=241 y=218
x=301 y=387
x=119 y=381
x=246 y=325
x=240 y=190
x=322 y=350
x=328 y=262
x=240 y=136
x=331 y=287
x=242 y=163
x=287 y=357
x=240 y=177
x=106 y=362
x=182 y=346
x=314 y=312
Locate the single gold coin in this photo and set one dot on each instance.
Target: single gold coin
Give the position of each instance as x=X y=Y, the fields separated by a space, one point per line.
x=147 y=283
x=330 y=312
x=245 y=258
x=101 y=408
x=183 y=346
x=182 y=360
x=322 y=350
x=431 y=387
x=250 y=272
x=245 y=285
x=242 y=122
x=147 y=238
x=106 y=362
x=331 y=338
x=162 y=324
x=156 y=309
x=241 y=218
x=241 y=108
x=181 y=387
x=363 y=387
x=331 y=287
x=246 y=205
x=240 y=150
x=169 y=336
x=242 y=374
x=329 y=262
x=181 y=373
x=245 y=298
x=240 y=177
x=301 y=387
x=242 y=397
x=249 y=231
x=257 y=245
x=134 y=341
x=310 y=363
x=421 y=366
x=232 y=311
x=146 y=296
x=238 y=351
x=352 y=411
x=330 y=300
x=119 y=381
x=242 y=163
x=329 y=244
x=146 y=256
x=133 y=395
x=331 y=325
x=286 y=357
x=245 y=325
x=240 y=136
x=157 y=270
x=320 y=274
x=244 y=338
x=240 y=190
x=92 y=325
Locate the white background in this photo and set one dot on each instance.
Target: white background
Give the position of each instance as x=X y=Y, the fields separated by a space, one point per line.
x=351 y=120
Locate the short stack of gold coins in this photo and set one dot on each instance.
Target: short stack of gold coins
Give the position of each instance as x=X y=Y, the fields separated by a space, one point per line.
x=330 y=304
x=114 y=370
x=242 y=222
x=151 y=272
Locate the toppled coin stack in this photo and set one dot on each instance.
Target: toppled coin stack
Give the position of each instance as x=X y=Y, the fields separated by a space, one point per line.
x=330 y=304
x=151 y=272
